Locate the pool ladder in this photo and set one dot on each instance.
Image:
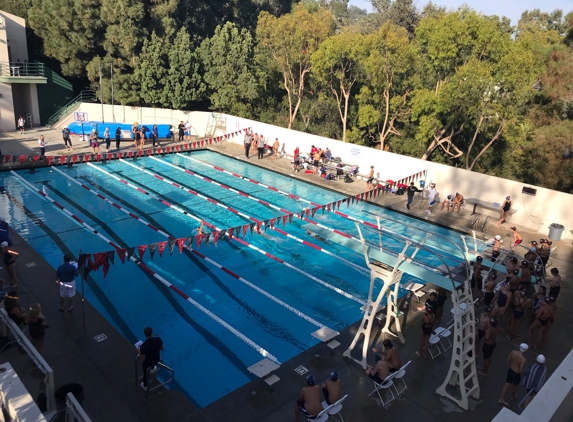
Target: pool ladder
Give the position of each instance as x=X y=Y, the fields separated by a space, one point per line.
x=159 y=365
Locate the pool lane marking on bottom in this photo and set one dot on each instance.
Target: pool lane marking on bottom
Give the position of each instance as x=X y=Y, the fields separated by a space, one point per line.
x=290 y=195
x=119 y=207
x=267 y=204
x=96 y=289
x=144 y=267
x=140 y=190
x=323 y=283
x=212 y=262
x=241 y=214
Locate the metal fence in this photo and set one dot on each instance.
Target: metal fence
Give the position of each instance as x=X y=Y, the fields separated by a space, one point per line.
x=22 y=69
x=33 y=371
x=75 y=412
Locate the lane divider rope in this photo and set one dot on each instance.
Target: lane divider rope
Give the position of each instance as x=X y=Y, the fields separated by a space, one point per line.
x=144 y=267
x=324 y=283
x=212 y=262
x=267 y=204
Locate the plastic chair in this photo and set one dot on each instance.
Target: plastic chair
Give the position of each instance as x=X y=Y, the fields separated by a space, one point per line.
x=335 y=408
x=384 y=386
x=400 y=376
x=322 y=416
x=444 y=334
x=434 y=342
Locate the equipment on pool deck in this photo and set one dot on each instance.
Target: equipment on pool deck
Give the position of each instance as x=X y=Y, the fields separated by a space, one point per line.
x=389 y=266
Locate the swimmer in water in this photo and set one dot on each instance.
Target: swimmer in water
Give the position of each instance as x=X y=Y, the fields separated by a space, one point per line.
x=317 y=237
x=200 y=229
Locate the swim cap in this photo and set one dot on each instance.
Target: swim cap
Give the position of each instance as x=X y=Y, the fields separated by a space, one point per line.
x=523 y=347
x=508 y=197
x=516 y=271
x=493 y=276
x=310 y=380
x=479 y=258
x=534 y=243
x=513 y=228
x=4 y=244
x=487 y=309
x=497 y=237
x=524 y=262
x=540 y=359
x=493 y=322
x=377 y=358
x=333 y=376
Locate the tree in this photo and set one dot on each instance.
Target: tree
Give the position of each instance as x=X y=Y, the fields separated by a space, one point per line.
x=152 y=69
x=228 y=63
x=290 y=41
x=458 y=51
x=382 y=98
x=72 y=31
x=338 y=64
x=183 y=84
x=400 y=12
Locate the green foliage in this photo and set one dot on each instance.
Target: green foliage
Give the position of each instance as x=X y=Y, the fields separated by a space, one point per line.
x=455 y=87
x=290 y=54
x=183 y=84
x=228 y=69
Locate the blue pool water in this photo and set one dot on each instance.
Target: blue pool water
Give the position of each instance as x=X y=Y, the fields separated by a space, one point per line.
x=198 y=348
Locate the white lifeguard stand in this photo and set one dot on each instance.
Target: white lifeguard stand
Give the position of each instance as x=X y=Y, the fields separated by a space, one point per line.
x=461 y=381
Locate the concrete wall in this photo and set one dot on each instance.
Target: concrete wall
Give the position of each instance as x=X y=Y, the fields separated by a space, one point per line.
x=533 y=212
x=145 y=115
x=17 y=99
x=15 y=29
x=7 y=117
x=553 y=403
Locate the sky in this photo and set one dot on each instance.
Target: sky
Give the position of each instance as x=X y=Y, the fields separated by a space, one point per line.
x=510 y=8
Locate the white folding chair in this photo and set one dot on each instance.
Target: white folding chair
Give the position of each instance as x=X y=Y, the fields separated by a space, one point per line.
x=444 y=334
x=400 y=376
x=322 y=416
x=384 y=386
x=335 y=408
x=434 y=342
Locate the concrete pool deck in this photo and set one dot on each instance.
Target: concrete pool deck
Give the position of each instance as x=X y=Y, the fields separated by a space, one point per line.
x=106 y=368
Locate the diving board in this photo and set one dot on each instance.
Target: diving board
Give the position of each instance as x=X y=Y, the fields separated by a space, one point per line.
x=385 y=258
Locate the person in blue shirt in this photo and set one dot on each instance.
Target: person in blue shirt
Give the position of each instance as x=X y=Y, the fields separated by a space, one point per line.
x=66 y=278
x=67 y=139
x=155 y=135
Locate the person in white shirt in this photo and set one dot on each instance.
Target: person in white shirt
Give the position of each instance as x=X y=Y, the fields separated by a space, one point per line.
x=21 y=124
x=431 y=197
x=187 y=131
x=42 y=144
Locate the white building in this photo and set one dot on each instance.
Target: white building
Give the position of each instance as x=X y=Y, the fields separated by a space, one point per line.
x=18 y=77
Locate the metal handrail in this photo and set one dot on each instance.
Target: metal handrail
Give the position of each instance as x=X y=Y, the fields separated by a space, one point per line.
x=160 y=364
x=86 y=96
x=19 y=69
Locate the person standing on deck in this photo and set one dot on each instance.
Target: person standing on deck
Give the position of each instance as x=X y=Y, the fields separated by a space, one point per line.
x=412 y=189
x=370 y=179
x=149 y=354
x=66 y=278
x=247 y=143
x=503 y=210
x=432 y=193
x=516 y=362
x=517 y=239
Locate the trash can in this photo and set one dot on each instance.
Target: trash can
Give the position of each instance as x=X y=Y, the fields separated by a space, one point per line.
x=555 y=231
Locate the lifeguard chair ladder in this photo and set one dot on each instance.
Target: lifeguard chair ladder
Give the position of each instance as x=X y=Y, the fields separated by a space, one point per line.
x=390 y=276
x=462 y=373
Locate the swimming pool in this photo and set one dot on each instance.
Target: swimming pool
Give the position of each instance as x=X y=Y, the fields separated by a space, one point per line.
x=275 y=305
